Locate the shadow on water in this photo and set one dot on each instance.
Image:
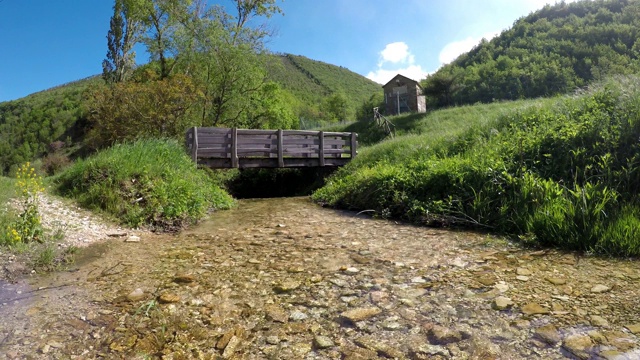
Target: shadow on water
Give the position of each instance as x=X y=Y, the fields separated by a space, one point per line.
x=271 y=183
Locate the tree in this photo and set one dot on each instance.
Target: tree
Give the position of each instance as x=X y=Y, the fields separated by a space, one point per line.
x=124 y=30
x=161 y=18
x=130 y=110
x=222 y=54
x=336 y=107
x=365 y=111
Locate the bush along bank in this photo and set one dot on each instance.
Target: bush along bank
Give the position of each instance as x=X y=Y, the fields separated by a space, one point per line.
x=149 y=182
x=560 y=172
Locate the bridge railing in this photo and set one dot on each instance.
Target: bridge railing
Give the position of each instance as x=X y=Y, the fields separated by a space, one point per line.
x=245 y=148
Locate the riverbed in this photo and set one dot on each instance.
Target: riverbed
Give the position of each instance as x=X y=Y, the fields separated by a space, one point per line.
x=286 y=279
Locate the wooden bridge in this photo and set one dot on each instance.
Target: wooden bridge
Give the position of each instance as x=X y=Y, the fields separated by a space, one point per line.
x=243 y=148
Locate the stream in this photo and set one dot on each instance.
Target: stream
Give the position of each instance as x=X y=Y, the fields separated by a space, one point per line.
x=286 y=279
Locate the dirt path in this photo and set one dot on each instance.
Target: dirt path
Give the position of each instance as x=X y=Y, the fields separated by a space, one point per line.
x=259 y=282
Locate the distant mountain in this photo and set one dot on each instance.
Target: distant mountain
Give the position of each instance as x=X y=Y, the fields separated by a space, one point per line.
x=551 y=51
x=29 y=125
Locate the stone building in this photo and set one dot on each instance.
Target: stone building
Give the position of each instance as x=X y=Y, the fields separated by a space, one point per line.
x=402 y=94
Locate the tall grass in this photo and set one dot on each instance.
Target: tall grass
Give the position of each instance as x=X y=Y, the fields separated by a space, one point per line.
x=558 y=172
x=145 y=183
x=7 y=192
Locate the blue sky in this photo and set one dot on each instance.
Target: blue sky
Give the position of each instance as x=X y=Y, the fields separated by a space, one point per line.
x=46 y=43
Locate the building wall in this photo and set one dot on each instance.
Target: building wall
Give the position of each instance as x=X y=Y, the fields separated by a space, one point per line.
x=407 y=91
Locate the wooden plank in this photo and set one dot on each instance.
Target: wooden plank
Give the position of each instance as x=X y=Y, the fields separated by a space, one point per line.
x=257 y=132
x=209 y=153
x=213 y=130
x=213 y=139
x=271 y=163
x=280 y=149
x=313 y=141
x=321 y=148
x=315 y=133
x=310 y=151
x=234 y=148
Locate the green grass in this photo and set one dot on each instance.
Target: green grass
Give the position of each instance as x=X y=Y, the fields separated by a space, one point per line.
x=557 y=172
x=145 y=183
x=7 y=192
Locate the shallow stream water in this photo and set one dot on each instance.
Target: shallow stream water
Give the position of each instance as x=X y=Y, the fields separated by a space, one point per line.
x=286 y=279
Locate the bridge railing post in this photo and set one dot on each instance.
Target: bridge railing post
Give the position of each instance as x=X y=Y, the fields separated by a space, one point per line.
x=354 y=145
x=321 y=147
x=280 y=149
x=234 y=147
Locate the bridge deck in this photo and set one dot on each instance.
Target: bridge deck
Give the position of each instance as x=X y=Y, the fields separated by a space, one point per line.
x=243 y=148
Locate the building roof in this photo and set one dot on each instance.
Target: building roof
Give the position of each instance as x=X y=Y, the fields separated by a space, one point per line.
x=403 y=77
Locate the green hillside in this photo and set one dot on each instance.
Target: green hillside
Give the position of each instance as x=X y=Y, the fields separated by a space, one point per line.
x=551 y=51
x=29 y=125
x=312 y=82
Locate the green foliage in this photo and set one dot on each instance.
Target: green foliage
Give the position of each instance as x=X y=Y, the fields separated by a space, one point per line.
x=337 y=108
x=7 y=215
x=130 y=110
x=314 y=84
x=144 y=183
x=26 y=228
x=30 y=124
x=557 y=172
x=124 y=29
x=551 y=51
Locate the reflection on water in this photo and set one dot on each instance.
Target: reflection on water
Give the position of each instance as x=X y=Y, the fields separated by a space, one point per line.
x=12 y=293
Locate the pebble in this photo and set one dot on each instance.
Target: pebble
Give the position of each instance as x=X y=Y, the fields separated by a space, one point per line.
x=132 y=239
x=533 y=309
x=351 y=270
x=360 y=314
x=297 y=316
x=598 y=289
x=184 y=278
x=597 y=320
x=440 y=335
x=634 y=328
x=578 y=345
x=136 y=295
x=549 y=334
x=501 y=303
x=323 y=342
x=523 y=271
x=168 y=298
x=272 y=340
x=556 y=281
x=287 y=286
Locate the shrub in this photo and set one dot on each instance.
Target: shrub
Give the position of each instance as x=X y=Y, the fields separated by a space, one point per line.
x=55 y=162
x=149 y=182
x=27 y=227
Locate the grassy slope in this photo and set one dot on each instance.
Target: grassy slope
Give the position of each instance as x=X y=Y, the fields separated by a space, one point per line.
x=145 y=183
x=313 y=82
x=558 y=172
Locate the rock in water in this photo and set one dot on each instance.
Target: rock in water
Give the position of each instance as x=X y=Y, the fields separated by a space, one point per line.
x=533 y=308
x=136 y=295
x=360 y=314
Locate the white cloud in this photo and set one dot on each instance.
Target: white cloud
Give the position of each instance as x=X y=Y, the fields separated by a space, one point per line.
x=396 y=59
x=397 y=52
x=456 y=48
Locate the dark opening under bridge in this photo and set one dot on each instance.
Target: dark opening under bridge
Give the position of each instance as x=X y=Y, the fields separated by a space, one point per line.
x=244 y=148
